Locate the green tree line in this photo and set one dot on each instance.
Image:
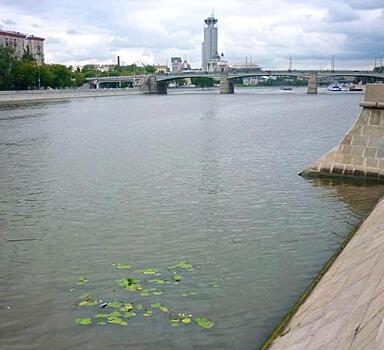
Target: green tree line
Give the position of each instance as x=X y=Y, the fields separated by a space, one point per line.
x=26 y=74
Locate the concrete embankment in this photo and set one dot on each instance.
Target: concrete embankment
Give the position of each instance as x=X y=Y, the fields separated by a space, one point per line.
x=43 y=95
x=344 y=307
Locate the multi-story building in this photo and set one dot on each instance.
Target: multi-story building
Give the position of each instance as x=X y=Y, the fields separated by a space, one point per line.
x=209 y=45
x=161 y=69
x=176 y=64
x=23 y=44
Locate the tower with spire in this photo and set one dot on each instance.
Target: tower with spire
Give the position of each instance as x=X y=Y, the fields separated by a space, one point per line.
x=209 y=45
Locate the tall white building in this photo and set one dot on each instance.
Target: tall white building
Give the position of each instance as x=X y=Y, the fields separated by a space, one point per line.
x=23 y=43
x=209 y=45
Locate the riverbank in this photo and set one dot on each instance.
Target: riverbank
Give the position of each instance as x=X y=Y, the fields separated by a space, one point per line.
x=43 y=95
x=345 y=310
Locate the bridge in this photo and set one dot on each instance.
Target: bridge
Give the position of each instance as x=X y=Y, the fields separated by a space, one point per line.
x=157 y=84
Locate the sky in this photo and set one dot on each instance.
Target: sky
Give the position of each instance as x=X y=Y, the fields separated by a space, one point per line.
x=267 y=32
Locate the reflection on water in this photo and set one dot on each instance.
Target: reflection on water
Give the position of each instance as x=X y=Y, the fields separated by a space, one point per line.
x=153 y=180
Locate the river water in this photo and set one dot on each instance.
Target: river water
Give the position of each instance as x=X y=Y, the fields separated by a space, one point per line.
x=154 y=180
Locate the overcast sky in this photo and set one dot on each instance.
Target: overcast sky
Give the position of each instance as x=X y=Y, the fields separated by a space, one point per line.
x=151 y=31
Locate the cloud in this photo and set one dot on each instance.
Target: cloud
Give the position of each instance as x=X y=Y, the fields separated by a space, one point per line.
x=150 y=31
x=8 y=22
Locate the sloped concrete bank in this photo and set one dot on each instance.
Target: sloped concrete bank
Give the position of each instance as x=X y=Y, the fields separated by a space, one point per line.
x=44 y=95
x=343 y=308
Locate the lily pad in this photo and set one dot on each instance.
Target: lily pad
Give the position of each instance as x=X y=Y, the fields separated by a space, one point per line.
x=129 y=314
x=204 y=322
x=85 y=296
x=175 y=323
x=147 y=313
x=82 y=280
x=87 y=303
x=117 y=321
x=149 y=271
x=186 y=320
x=101 y=323
x=157 y=281
x=114 y=314
x=183 y=265
x=158 y=293
x=127 y=307
x=177 y=277
x=115 y=304
x=130 y=284
x=84 y=321
x=139 y=307
x=121 y=266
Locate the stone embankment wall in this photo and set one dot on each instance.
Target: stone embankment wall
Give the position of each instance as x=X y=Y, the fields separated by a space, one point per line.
x=42 y=95
x=361 y=151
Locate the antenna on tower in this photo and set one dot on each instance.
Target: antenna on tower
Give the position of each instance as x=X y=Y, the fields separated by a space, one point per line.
x=290 y=63
x=213 y=12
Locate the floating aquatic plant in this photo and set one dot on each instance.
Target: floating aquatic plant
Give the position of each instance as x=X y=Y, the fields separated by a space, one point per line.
x=115 y=304
x=84 y=321
x=183 y=265
x=204 y=322
x=124 y=310
x=126 y=307
x=149 y=271
x=82 y=280
x=157 y=281
x=117 y=321
x=160 y=307
x=130 y=284
x=121 y=266
x=177 y=278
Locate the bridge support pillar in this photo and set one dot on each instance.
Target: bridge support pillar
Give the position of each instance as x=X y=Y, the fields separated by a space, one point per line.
x=360 y=154
x=226 y=86
x=151 y=86
x=312 y=84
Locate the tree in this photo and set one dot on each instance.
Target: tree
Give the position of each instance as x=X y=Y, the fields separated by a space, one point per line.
x=25 y=75
x=7 y=62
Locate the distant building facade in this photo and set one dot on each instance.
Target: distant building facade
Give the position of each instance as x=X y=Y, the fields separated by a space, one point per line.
x=217 y=64
x=185 y=66
x=161 y=69
x=176 y=64
x=209 y=45
x=23 y=44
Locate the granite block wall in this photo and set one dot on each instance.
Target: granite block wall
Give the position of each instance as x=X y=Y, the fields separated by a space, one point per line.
x=361 y=151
